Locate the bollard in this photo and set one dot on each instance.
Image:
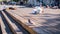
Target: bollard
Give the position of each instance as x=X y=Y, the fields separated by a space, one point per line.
x=29 y=21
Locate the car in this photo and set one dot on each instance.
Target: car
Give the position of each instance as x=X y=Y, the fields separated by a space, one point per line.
x=12 y=3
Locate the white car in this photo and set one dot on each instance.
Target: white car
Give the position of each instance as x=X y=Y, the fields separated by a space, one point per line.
x=37 y=10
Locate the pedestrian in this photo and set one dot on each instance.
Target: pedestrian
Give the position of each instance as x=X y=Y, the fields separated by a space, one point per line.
x=48 y=6
x=41 y=9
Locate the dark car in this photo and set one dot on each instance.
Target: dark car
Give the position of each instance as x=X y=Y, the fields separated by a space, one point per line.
x=12 y=3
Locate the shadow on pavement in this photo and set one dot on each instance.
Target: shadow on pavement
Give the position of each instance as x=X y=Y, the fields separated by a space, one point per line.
x=51 y=26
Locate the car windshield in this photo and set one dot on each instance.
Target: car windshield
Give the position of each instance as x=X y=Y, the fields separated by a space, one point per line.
x=12 y=2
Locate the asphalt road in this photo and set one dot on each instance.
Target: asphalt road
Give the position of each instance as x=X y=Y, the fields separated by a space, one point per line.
x=46 y=23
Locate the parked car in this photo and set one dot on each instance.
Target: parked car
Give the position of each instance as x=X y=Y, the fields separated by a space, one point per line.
x=12 y=3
